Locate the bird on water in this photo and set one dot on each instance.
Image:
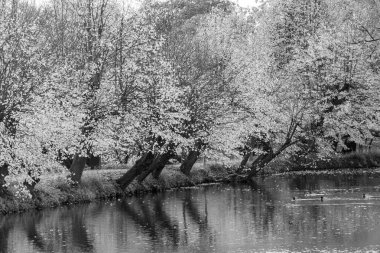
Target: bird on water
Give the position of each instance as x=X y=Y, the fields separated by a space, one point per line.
x=370 y=196
x=294 y=199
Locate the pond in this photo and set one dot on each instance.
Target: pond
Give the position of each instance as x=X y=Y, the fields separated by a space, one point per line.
x=213 y=218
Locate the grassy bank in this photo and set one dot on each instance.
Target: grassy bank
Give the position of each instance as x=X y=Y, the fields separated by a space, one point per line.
x=54 y=191
x=350 y=161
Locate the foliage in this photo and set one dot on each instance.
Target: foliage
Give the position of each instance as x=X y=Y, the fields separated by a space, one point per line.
x=311 y=81
x=80 y=78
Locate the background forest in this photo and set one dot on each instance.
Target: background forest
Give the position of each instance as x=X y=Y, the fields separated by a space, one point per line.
x=84 y=79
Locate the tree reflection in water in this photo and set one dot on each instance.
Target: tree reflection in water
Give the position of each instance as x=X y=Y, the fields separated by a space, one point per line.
x=5 y=226
x=224 y=218
x=153 y=220
x=32 y=233
x=61 y=232
x=80 y=236
x=206 y=239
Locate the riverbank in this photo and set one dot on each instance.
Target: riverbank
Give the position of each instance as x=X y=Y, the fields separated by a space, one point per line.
x=348 y=171
x=55 y=191
x=355 y=161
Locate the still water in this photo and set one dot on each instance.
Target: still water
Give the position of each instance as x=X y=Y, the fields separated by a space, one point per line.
x=214 y=218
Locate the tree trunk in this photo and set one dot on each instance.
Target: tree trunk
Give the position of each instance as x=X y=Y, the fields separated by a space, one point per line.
x=147 y=170
x=157 y=171
x=64 y=160
x=94 y=162
x=243 y=162
x=260 y=163
x=156 y=167
x=3 y=173
x=189 y=162
x=77 y=167
x=163 y=162
x=264 y=159
x=142 y=163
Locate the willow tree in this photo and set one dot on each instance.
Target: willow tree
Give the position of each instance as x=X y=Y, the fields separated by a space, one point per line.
x=80 y=39
x=196 y=52
x=198 y=45
x=309 y=80
x=22 y=69
x=147 y=99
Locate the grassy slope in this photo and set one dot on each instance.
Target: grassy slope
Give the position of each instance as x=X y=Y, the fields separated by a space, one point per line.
x=100 y=184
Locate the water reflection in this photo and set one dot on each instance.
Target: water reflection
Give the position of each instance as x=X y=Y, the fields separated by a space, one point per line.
x=55 y=231
x=5 y=227
x=217 y=218
x=150 y=217
x=32 y=234
x=193 y=214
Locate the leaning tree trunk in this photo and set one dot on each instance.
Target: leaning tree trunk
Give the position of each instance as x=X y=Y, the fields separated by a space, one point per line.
x=243 y=162
x=260 y=163
x=189 y=162
x=263 y=159
x=157 y=171
x=3 y=173
x=156 y=167
x=77 y=167
x=142 y=163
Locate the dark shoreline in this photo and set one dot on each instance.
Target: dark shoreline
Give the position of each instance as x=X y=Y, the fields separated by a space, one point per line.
x=101 y=185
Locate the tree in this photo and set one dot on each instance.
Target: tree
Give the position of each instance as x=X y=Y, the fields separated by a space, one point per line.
x=148 y=100
x=309 y=81
x=81 y=59
x=22 y=68
x=199 y=38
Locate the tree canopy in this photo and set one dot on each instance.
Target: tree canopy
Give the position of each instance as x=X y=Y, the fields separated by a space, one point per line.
x=181 y=79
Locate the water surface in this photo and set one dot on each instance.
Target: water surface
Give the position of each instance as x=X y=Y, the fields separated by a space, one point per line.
x=214 y=218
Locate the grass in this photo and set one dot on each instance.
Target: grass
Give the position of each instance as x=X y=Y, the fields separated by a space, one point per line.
x=55 y=190
x=348 y=162
x=355 y=160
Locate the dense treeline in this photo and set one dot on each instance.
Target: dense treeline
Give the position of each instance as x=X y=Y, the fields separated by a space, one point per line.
x=80 y=80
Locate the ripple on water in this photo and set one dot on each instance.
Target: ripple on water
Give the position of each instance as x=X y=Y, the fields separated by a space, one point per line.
x=212 y=218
